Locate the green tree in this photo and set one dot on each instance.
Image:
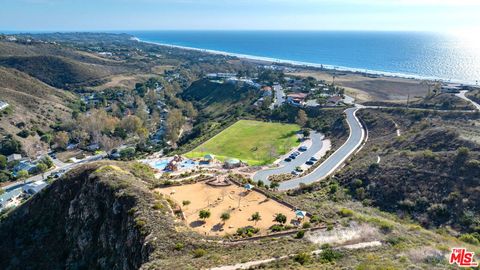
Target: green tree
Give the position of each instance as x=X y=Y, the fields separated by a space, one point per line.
x=301 y=118
x=3 y=162
x=10 y=146
x=204 y=214
x=225 y=216
x=42 y=168
x=281 y=218
x=256 y=217
x=61 y=139
x=47 y=161
x=22 y=174
x=274 y=185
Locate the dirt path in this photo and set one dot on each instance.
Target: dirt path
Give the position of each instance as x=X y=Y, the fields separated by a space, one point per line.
x=247 y=265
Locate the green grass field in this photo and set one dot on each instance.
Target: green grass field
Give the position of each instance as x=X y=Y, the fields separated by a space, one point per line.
x=253 y=142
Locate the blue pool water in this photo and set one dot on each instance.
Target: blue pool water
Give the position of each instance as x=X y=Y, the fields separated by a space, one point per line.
x=184 y=165
x=160 y=165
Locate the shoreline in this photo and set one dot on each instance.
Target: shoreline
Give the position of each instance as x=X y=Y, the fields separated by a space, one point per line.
x=312 y=65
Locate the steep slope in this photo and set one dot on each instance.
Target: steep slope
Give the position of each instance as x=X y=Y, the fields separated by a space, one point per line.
x=105 y=216
x=428 y=173
x=93 y=219
x=34 y=105
x=217 y=99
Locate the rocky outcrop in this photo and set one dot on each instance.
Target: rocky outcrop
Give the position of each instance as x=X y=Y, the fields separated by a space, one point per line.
x=82 y=221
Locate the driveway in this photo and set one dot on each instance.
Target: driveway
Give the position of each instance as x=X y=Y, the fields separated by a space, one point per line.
x=279 y=96
x=287 y=167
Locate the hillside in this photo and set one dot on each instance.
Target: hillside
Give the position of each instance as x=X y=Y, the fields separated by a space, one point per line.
x=56 y=71
x=59 y=66
x=429 y=173
x=105 y=216
x=34 y=105
x=216 y=99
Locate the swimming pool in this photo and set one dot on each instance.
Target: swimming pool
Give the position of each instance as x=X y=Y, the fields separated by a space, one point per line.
x=161 y=164
x=184 y=165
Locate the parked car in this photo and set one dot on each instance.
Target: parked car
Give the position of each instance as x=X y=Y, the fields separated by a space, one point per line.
x=292 y=157
x=303 y=148
x=299 y=169
x=313 y=159
x=309 y=163
x=288 y=159
x=294 y=172
x=296 y=153
x=59 y=173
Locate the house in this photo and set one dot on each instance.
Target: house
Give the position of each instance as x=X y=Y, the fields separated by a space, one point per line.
x=452 y=88
x=93 y=147
x=35 y=187
x=209 y=158
x=266 y=91
x=296 y=98
x=72 y=146
x=24 y=166
x=3 y=105
x=232 y=163
x=14 y=157
x=8 y=196
x=334 y=100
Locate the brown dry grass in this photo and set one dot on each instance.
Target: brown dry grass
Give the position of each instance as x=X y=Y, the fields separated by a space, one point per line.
x=371 y=89
x=126 y=81
x=160 y=70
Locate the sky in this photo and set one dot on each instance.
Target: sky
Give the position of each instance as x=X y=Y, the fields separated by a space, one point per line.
x=102 y=15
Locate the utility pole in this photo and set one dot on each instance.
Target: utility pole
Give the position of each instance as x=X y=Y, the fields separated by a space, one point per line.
x=408 y=100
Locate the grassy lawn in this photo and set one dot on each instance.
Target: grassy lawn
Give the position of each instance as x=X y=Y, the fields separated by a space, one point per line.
x=253 y=142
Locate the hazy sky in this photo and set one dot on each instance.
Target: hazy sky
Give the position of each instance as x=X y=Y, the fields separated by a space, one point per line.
x=70 y=15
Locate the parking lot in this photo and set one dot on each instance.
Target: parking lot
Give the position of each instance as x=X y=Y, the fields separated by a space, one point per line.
x=313 y=149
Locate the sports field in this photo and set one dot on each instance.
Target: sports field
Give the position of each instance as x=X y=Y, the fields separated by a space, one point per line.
x=253 y=142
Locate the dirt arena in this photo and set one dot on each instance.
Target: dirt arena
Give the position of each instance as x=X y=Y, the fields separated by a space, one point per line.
x=233 y=199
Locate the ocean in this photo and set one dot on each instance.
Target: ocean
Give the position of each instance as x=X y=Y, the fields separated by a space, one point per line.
x=453 y=58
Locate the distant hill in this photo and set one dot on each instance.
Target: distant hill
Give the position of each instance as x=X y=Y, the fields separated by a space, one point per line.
x=58 y=66
x=56 y=71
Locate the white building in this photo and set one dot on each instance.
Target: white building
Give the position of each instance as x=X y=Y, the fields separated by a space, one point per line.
x=14 y=157
x=35 y=187
x=3 y=105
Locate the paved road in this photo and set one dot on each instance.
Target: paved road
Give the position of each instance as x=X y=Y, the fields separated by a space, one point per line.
x=462 y=96
x=357 y=134
x=13 y=189
x=287 y=167
x=279 y=95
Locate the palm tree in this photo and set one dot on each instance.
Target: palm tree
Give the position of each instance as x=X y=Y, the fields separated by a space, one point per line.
x=256 y=217
x=204 y=214
x=225 y=216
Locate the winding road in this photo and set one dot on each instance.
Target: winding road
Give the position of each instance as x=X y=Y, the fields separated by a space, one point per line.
x=462 y=96
x=333 y=162
x=286 y=167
